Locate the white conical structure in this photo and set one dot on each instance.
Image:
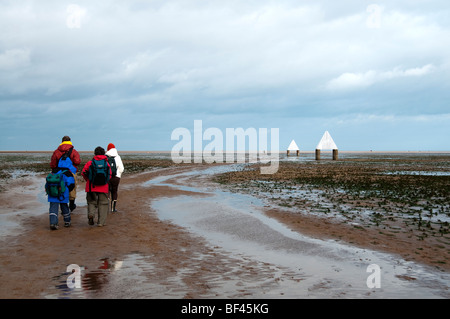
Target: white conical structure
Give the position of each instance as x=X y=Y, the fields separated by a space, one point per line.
x=326 y=143
x=293 y=146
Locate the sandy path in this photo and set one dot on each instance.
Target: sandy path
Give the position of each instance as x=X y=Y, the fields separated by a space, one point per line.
x=33 y=262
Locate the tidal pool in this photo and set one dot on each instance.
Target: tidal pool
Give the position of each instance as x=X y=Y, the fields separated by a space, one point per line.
x=308 y=268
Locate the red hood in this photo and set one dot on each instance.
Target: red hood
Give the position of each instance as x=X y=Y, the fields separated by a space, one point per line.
x=64 y=147
x=100 y=157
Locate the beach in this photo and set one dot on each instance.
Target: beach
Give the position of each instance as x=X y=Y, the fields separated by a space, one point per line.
x=226 y=231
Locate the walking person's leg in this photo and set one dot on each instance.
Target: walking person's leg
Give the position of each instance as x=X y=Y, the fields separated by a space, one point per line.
x=114 y=187
x=73 y=194
x=65 y=211
x=91 y=199
x=53 y=215
x=103 y=203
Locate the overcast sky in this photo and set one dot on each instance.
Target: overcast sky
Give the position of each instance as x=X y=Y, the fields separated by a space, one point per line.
x=374 y=74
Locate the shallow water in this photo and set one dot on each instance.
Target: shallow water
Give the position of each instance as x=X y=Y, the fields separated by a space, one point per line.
x=424 y=173
x=111 y=279
x=326 y=269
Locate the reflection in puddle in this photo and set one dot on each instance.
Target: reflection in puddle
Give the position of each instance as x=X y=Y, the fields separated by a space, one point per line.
x=94 y=280
x=110 y=275
x=63 y=291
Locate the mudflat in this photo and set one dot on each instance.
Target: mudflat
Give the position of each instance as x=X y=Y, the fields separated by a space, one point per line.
x=182 y=264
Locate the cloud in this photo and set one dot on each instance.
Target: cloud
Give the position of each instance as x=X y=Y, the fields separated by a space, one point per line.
x=75 y=15
x=365 y=118
x=244 y=61
x=374 y=19
x=14 y=59
x=351 y=81
x=215 y=50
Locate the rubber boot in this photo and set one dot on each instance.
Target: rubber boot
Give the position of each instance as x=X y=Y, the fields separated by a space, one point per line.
x=114 y=202
x=72 y=205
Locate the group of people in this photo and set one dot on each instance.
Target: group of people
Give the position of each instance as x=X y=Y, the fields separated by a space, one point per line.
x=102 y=175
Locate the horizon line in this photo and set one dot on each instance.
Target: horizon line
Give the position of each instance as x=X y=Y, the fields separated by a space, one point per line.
x=195 y=152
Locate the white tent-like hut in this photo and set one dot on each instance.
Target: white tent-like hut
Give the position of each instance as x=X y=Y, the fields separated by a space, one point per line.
x=293 y=147
x=327 y=143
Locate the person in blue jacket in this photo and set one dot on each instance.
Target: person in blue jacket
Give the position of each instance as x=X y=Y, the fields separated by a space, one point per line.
x=60 y=200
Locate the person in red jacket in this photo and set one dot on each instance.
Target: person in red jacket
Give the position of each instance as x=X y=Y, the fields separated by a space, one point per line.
x=63 y=148
x=97 y=173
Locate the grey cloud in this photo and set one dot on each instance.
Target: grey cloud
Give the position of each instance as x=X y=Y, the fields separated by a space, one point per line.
x=249 y=61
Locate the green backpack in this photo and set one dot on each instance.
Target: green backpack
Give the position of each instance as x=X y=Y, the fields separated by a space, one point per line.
x=55 y=185
x=98 y=173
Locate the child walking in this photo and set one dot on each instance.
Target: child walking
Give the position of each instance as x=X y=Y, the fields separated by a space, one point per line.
x=58 y=185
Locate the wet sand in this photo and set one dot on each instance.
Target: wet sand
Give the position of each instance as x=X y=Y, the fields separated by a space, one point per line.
x=172 y=262
x=35 y=255
x=34 y=259
x=389 y=224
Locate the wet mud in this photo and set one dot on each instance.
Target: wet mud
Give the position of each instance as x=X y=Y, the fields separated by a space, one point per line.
x=178 y=234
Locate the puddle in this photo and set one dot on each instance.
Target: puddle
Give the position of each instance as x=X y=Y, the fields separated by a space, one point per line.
x=33 y=202
x=119 y=279
x=423 y=173
x=327 y=269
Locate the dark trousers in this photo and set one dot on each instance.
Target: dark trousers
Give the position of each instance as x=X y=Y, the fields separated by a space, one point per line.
x=114 y=187
x=53 y=212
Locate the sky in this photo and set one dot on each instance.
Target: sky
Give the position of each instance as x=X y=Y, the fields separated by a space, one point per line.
x=375 y=74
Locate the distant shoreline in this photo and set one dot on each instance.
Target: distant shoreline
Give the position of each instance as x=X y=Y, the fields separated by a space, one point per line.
x=85 y=152
x=281 y=152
